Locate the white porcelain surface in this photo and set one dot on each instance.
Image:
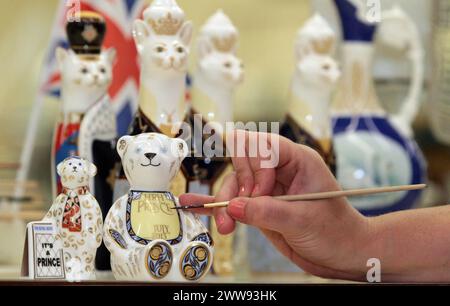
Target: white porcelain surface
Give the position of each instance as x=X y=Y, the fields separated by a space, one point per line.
x=315 y=78
x=150 y=162
x=79 y=244
x=219 y=70
x=85 y=104
x=162 y=40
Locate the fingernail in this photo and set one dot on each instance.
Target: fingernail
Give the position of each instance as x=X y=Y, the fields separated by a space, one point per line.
x=220 y=220
x=236 y=209
x=255 y=191
x=242 y=191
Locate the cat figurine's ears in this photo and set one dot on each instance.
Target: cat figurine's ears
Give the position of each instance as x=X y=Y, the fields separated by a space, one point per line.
x=204 y=48
x=62 y=54
x=141 y=32
x=302 y=50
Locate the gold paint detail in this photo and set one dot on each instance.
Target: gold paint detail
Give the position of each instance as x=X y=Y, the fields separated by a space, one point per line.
x=323 y=46
x=152 y=217
x=188 y=271
x=357 y=79
x=89 y=33
x=91 y=14
x=154 y=253
x=225 y=44
x=166 y=25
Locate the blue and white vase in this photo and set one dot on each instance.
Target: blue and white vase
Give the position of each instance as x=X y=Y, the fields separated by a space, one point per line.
x=374 y=148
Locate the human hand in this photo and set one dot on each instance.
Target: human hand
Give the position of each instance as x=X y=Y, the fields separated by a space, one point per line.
x=325 y=238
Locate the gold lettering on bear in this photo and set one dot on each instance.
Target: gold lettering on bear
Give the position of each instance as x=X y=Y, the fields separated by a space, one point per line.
x=152 y=217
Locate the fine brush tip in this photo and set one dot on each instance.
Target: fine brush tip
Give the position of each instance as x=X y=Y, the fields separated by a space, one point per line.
x=186 y=207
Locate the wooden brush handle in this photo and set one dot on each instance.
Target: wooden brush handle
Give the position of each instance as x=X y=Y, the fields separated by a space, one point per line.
x=333 y=194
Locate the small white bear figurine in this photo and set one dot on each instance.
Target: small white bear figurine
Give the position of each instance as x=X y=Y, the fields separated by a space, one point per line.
x=148 y=239
x=77 y=218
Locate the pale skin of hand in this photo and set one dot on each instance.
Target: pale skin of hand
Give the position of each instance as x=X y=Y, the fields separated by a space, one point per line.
x=327 y=238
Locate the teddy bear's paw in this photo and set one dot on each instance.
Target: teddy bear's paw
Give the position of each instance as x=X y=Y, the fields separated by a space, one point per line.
x=196 y=261
x=159 y=259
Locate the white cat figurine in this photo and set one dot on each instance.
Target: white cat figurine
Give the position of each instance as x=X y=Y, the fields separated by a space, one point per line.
x=219 y=70
x=162 y=41
x=315 y=78
x=85 y=84
x=218 y=75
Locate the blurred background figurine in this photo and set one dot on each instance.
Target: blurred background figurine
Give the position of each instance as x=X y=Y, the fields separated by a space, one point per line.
x=219 y=73
x=307 y=120
x=374 y=148
x=316 y=74
x=87 y=124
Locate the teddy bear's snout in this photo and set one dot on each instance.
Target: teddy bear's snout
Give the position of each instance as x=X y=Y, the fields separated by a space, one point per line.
x=150 y=156
x=75 y=168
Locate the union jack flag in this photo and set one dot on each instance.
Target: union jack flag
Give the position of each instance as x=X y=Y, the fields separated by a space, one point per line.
x=119 y=16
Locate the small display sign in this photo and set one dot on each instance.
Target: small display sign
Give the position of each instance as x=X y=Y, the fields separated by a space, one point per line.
x=43 y=256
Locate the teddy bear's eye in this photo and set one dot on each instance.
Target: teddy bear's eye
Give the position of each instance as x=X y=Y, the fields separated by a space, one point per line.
x=79 y=164
x=180 y=146
x=70 y=164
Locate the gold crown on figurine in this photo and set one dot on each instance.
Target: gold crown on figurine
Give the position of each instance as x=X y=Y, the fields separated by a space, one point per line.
x=317 y=34
x=167 y=25
x=323 y=46
x=165 y=17
x=221 y=32
x=224 y=44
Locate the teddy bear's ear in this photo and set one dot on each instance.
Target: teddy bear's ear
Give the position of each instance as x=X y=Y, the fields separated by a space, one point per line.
x=92 y=169
x=179 y=148
x=60 y=167
x=122 y=145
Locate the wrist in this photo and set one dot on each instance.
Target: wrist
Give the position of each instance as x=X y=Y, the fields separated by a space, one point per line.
x=365 y=246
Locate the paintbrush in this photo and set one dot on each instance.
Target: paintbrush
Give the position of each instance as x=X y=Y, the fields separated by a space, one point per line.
x=321 y=195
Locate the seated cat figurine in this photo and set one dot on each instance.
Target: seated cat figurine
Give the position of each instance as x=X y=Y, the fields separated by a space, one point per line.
x=77 y=218
x=147 y=238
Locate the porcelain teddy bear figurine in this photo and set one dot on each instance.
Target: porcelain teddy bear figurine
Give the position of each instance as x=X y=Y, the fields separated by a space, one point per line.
x=77 y=218
x=147 y=238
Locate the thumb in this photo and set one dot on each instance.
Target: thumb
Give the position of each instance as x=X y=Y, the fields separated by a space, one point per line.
x=267 y=213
